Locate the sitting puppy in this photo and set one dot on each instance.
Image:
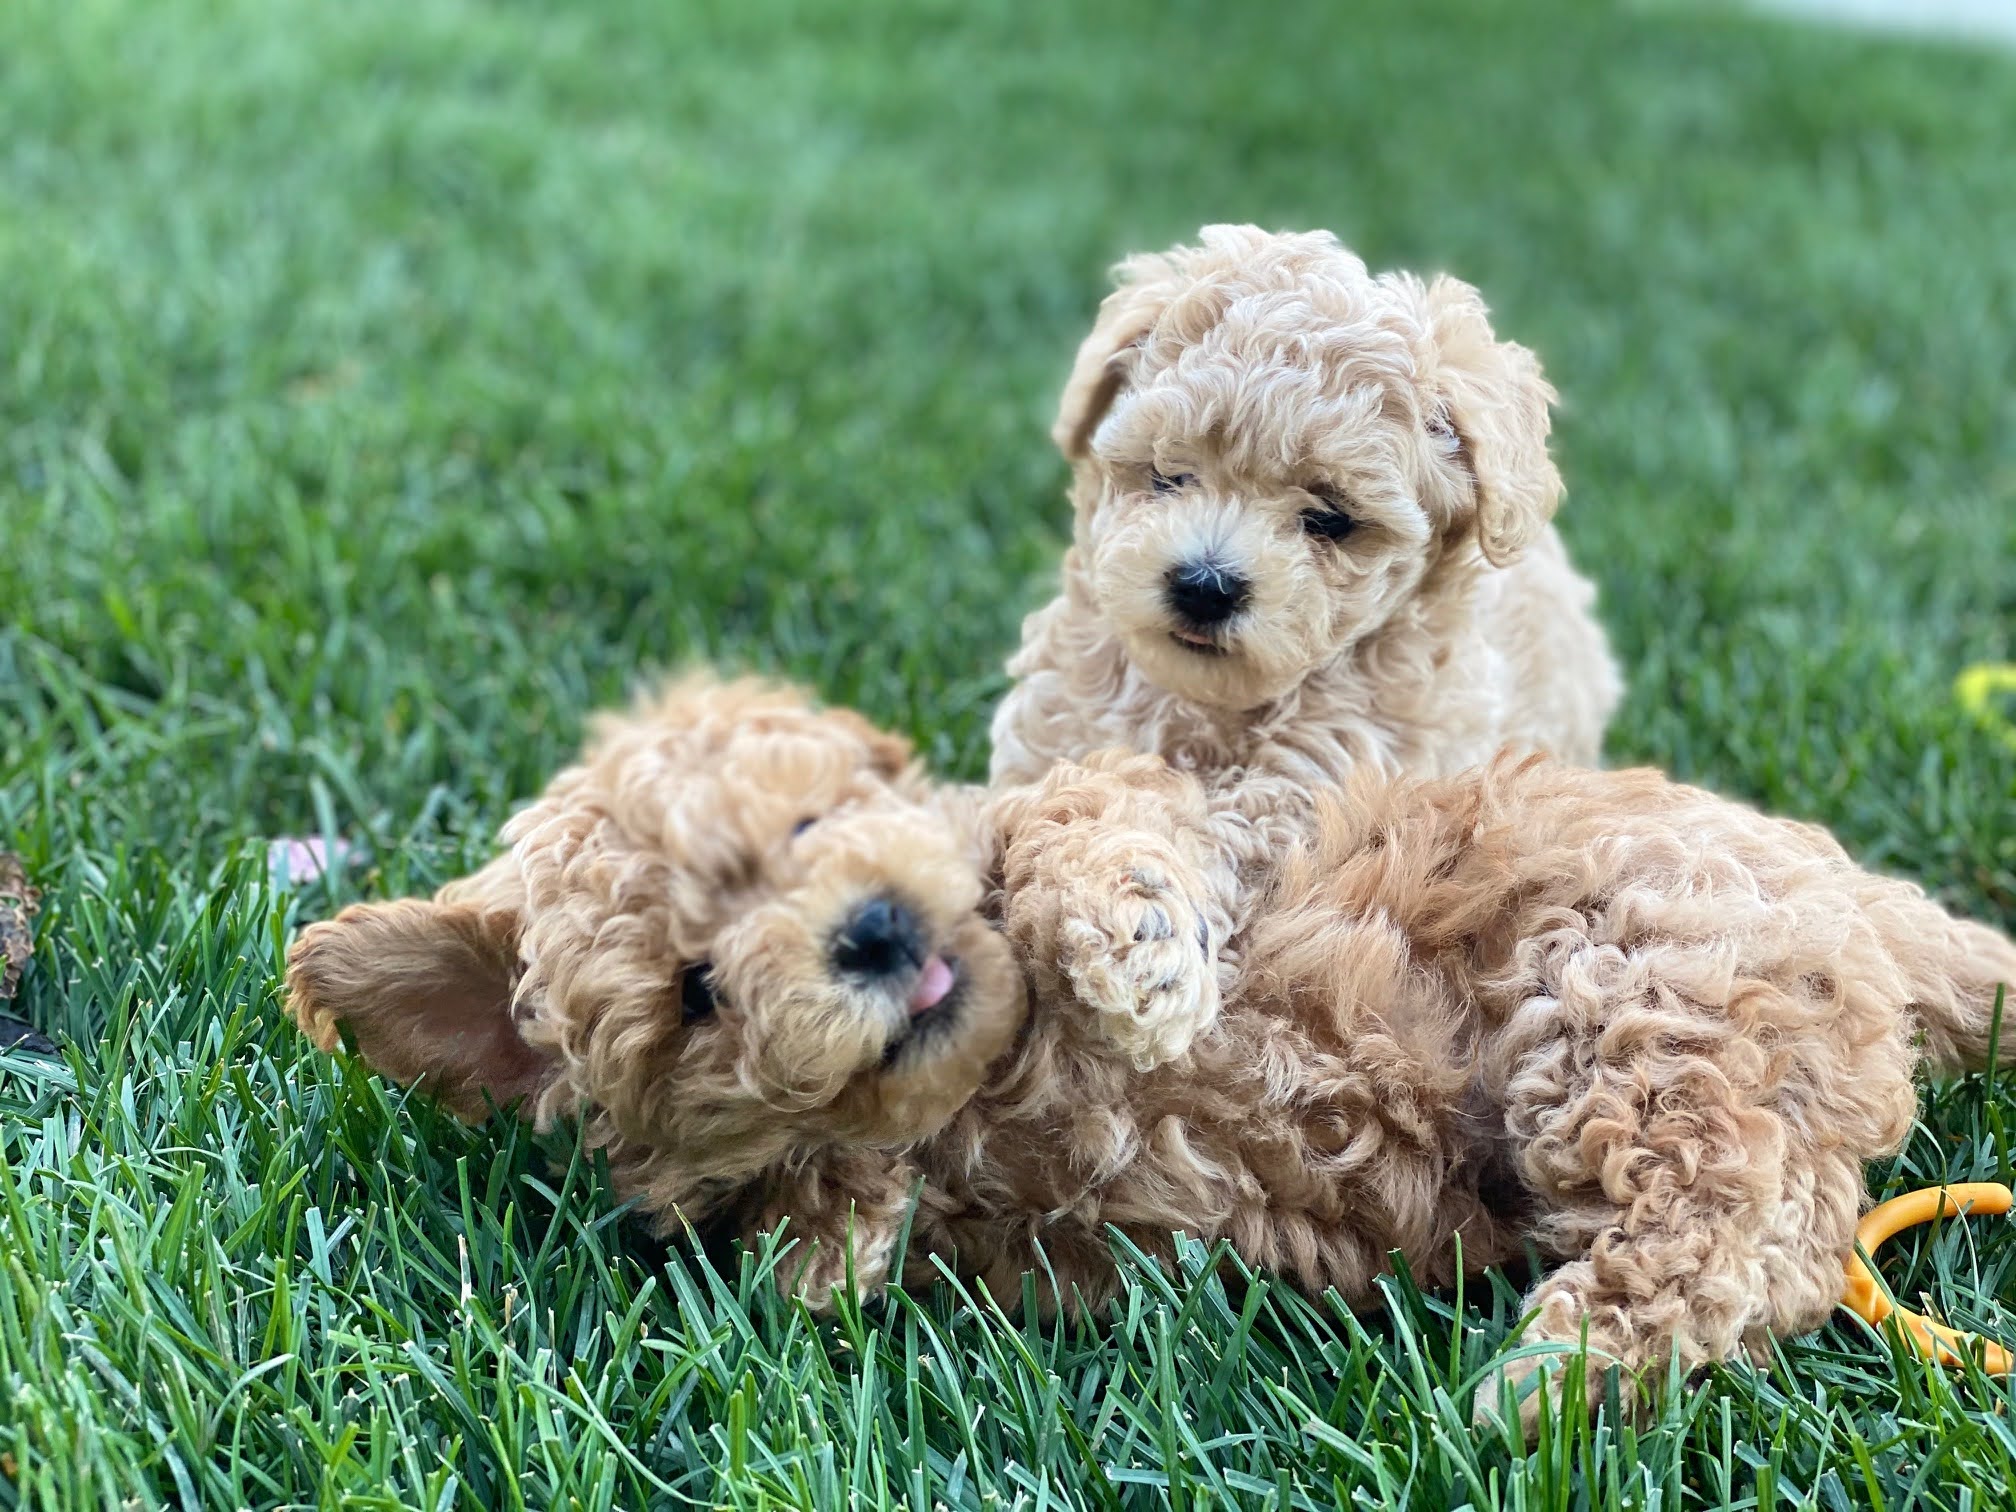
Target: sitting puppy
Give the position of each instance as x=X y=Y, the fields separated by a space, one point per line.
x=781 y=976
x=1311 y=532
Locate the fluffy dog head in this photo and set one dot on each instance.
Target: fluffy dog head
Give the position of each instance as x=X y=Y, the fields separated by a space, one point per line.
x=1275 y=449
x=737 y=927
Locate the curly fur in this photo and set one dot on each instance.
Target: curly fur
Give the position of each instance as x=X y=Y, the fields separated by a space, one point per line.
x=1264 y=371
x=1647 y=1030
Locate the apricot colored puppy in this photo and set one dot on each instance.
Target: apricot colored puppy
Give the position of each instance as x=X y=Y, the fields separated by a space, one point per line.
x=781 y=975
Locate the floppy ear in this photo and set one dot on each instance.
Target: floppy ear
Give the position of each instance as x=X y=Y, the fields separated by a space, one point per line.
x=425 y=990
x=1492 y=395
x=888 y=753
x=1147 y=282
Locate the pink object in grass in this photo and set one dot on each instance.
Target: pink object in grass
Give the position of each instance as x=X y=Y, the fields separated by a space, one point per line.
x=293 y=863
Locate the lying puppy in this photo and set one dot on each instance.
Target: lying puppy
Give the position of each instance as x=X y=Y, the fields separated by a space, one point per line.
x=1311 y=532
x=780 y=975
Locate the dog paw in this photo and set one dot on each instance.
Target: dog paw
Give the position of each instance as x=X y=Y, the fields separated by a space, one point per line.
x=1139 y=956
x=821 y=1272
x=1560 y=1354
x=1513 y=1394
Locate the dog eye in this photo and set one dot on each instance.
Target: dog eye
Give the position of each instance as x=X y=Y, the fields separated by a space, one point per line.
x=1330 y=524
x=801 y=826
x=1170 y=482
x=1333 y=521
x=696 y=993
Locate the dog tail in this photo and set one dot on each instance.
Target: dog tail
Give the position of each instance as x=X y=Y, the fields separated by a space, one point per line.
x=1961 y=977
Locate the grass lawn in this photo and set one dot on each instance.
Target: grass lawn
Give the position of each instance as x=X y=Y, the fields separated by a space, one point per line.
x=383 y=385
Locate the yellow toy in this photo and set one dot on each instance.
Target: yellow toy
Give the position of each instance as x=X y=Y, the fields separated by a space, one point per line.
x=1976 y=690
x=1866 y=1298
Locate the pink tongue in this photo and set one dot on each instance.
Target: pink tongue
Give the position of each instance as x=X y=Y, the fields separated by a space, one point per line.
x=933 y=982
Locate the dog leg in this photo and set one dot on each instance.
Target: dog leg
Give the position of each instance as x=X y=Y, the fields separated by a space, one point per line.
x=1693 y=1270
x=1676 y=1272
x=1693 y=1214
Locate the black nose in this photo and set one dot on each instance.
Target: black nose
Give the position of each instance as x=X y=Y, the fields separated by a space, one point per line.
x=879 y=939
x=1205 y=593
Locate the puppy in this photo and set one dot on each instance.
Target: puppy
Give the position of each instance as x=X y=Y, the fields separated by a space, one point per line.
x=1311 y=532
x=783 y=977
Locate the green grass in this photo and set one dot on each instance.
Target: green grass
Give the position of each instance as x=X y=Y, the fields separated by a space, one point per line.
x=384 y=385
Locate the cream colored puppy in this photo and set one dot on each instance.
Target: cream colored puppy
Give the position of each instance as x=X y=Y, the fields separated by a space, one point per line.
x=1312 y=531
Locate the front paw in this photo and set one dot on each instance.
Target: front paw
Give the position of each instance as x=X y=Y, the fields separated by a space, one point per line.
x=1139 y=956
x=1558 y=1351
x=821 y=1272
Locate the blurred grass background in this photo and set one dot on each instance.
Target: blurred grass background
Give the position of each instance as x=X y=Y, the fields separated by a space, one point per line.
x=384 y=385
